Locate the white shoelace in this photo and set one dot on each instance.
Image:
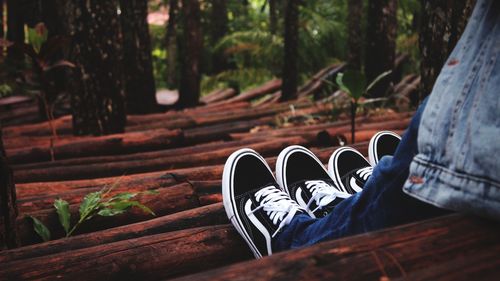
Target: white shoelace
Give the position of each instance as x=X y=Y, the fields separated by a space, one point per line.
x=365 y=172
x=278 y=206
x=323 y=193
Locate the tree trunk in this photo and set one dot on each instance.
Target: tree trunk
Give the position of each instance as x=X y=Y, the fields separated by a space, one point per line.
x=189 y=91
x=1 y=26
x=290 y=75
x=354 y=40
x=8 y=208
x=140 y=88
x=219 y=30
x=15 y=28
x=171 y=41
x=273 y=17
x=442 y=24
x=381 y=43
x=97 y=94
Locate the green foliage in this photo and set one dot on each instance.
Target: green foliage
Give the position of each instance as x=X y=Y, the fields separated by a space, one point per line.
x=93 y=204
x=159 y=55
x=253 y=49
x=41 y=229
x=407 y=37
x=352 y=82
x=37 y=36
x=62 y=209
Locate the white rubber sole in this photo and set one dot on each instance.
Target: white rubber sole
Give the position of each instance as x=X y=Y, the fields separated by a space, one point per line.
x=372 y=152
x=332 y=163
x=228 y=195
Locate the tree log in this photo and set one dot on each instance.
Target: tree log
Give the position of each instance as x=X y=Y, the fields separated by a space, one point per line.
x=151 y=257
x=167 y=201
x=87 y=171
x=266 y=88
x=8 y=204
x=105 y=145
x=454 y=247
x=202 y=216
x=218 y=95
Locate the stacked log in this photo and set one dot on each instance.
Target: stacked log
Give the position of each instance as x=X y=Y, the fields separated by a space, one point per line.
x=180 y=155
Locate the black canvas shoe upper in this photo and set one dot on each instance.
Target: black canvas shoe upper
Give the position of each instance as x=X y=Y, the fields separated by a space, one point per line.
x=253 y=201
x=381 y=144
x=304 y=178
x=349 y=169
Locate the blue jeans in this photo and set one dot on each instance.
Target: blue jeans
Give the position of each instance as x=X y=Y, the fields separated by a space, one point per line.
x=382 y=203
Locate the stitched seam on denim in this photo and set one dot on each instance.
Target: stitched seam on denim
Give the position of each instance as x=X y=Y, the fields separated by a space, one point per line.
x=425 y=198
x=455 y=174
x=489 y=66
x=463 y=191
x=460 y=101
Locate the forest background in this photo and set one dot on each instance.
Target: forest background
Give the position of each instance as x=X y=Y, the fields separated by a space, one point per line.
x=117 y=55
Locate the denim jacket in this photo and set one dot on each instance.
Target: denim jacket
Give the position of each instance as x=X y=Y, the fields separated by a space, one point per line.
x=458 y=162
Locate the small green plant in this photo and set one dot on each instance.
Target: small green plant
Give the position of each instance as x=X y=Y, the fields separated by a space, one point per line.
x=42 y=53
x=93 y=204
x=354 y=84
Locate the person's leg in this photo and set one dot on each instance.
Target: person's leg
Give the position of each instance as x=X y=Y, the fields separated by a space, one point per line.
x=381 y=204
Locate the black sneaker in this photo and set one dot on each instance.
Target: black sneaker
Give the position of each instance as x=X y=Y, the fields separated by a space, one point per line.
x=349 y=169
x=254 y=203
x=381 y=144
x=300 y=173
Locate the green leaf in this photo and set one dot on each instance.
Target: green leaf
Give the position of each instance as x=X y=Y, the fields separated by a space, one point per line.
x=62 y=209
x=340 y=83
x=144 y=208
x=90 y=204
x=107 y=212
x=377 y=79
x=355 y=81
x=41 y=229
x=122 y=196
x=151 y=192
x=118 y=205
x=37 y=36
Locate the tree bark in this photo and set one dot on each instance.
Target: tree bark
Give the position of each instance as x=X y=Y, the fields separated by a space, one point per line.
x=273 y=17
x=381 y=43
x=189 y=91
x=290 y=75
x=454 y=247
x=171 y=41
x=154 y=257
x=203 y=216
x=354 y=40
x=15 y=28
x=442 y=24
x=8 y=207
x=140 y=88
x=1 y=26
x=219 y=30
x=97 y=103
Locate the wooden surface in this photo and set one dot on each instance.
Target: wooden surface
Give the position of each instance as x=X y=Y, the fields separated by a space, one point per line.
x=180 y=154
x=454 y=247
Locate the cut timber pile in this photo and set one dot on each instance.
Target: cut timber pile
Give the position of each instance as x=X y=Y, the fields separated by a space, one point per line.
x=180 y=155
